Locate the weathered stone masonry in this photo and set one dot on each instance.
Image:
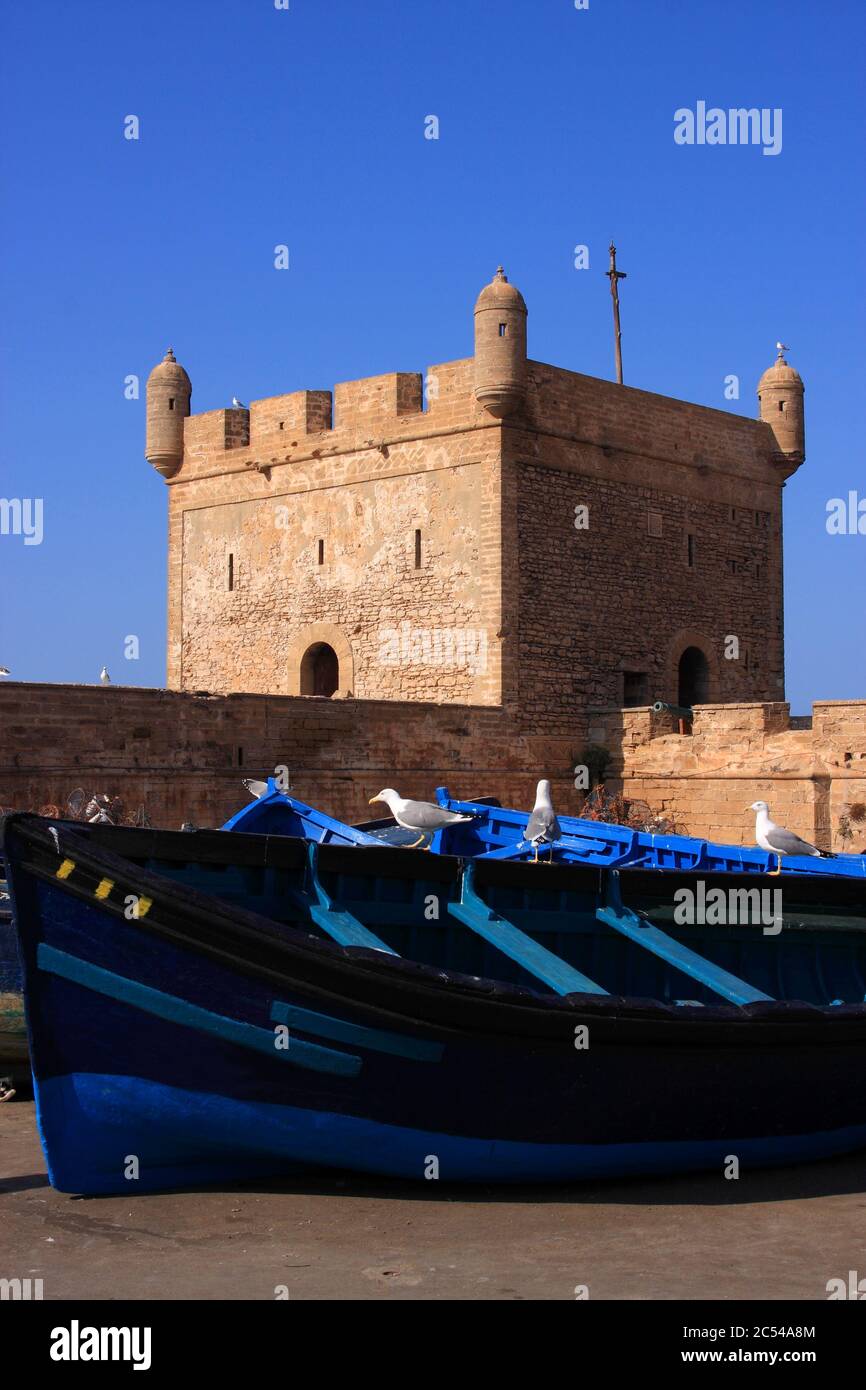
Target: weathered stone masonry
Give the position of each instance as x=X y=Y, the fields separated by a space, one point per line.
x=183 y=757
x=310 y=523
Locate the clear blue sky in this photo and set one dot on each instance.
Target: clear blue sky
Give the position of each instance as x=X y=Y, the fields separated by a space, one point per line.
x=261 y=126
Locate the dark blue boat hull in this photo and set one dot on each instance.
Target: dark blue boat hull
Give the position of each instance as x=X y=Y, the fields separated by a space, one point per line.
x=13 y=1042
x=155 y=1048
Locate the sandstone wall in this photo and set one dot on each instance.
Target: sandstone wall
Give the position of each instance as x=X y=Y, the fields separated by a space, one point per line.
x=183 y=757
x=611 y=598
x=683 y=545
x=810 y=776
x=289 y=527
x=294 y=522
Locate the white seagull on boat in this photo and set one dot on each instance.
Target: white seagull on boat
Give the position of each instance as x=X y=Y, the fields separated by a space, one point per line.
x=542 y=828
x=775 y=839
x=422 y=816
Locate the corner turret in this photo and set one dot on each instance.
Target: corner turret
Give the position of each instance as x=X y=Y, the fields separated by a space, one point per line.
x=780 y=405
x=500 y=347
x=168 y=396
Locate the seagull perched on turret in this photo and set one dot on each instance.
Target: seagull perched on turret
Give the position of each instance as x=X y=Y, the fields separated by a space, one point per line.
x=542 y=828
x=775 y=839
x=104 y=676
x=422 y=816
x=4 y=670
x=782 y=347
x=238 y=405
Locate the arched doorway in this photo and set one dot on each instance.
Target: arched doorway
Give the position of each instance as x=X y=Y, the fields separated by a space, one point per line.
x=693 y=678
x=320 y=670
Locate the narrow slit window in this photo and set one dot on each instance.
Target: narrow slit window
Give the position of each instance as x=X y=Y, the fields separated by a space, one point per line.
x=240 y=757
x=690 y=551
x=781 y=406
x=503 y=330
x=634 y=689
x=231 y=572
x=417 y=550
x=321 y=552
x=171 y=402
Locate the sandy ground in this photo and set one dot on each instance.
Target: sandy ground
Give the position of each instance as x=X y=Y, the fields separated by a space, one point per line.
x=769 y=1235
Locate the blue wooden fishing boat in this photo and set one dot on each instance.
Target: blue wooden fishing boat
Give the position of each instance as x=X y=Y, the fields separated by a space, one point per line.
x=219 y=1008
x=498 y=833
x=13 y=1037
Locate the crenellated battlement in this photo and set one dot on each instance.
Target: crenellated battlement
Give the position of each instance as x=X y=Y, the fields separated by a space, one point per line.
x=499 y=387
x=282 y=419
x=216 y=431
x=356 y=415
x=558 y=404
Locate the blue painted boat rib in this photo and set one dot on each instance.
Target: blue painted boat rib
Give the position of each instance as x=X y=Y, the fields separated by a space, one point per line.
x=473 y=912
x=340 y=1030
x=174 y=1010
x=339 y=924
x=641 y=931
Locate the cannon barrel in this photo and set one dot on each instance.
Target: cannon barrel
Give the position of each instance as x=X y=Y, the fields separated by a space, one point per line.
x=681 y=711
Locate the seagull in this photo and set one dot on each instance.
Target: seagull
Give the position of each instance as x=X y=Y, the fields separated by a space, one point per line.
x=238 y=405
x=4 y=670
x=253 y=785
x=783 y=347
x=104 y=676
x=775 y=839
x=542 y=828
x=422 y=816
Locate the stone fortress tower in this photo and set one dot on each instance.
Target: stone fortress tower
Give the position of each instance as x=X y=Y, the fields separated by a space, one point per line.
x=532 y=537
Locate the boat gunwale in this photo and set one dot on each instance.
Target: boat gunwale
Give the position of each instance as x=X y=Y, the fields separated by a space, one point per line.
x=507 y=1014
x=254 y=849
